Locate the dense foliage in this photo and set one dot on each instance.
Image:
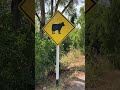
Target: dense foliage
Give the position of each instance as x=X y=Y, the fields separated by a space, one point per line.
x=16 y=52
x=78 y=35
x=44 y=57
x=102 y=40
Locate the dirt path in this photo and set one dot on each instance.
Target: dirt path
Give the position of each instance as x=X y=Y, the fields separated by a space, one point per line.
x=71 y=78
x=77 y=82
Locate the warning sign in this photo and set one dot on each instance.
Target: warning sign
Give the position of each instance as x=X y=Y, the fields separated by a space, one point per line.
x=89 y=5
x=58 y=28
x=27 y=7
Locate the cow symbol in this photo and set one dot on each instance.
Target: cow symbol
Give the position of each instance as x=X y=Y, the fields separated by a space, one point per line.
x=57 y=27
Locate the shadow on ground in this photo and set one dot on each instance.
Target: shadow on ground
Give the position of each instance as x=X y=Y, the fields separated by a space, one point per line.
x=75 y=83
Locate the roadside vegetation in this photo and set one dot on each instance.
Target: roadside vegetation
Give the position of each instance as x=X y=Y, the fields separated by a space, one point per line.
x=71 y=50
x=102 y=44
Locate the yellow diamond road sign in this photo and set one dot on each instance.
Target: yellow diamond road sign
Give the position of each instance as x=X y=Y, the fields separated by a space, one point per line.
x=27 y=7
x=58 y=27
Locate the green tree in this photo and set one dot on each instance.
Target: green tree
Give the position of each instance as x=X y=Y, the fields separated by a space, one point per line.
x=78 y=35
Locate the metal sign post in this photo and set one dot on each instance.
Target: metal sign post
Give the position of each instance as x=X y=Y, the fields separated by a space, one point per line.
x=57 y=65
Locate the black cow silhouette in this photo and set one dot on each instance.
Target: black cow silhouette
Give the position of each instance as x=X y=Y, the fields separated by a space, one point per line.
x=57 y=27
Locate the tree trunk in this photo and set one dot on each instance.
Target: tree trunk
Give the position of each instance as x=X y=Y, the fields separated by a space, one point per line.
x=15 y=14
x=42 y=23
x=56 y=7
x=51 y=8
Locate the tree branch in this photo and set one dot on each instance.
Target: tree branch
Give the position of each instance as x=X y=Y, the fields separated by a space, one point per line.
x=67 y=6
x=56 y=7
x=38 y=17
